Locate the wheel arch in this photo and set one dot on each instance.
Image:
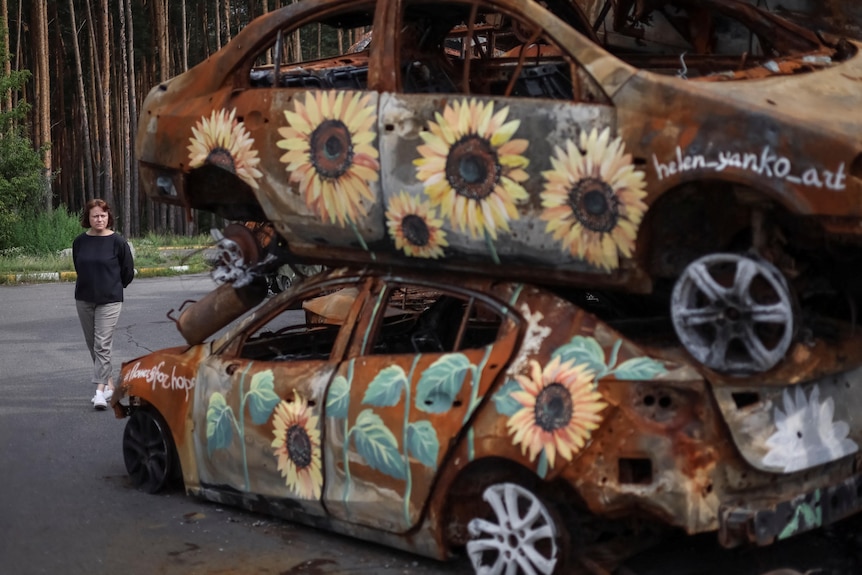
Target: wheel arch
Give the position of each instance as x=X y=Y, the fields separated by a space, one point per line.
x=217 y=190
x=463 y=495
x=698 y=217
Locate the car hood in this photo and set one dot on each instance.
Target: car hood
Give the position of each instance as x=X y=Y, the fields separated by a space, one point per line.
x=830 y=98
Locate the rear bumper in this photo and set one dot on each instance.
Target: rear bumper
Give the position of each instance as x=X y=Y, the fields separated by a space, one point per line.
x=765 y=522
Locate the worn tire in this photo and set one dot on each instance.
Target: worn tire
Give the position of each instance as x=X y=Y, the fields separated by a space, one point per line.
x=148 y=451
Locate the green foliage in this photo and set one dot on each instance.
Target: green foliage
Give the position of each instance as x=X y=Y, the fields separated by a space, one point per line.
x=170 y=241
x=15 y=261
x=60 y=228
x=22 y=186
x=45 y=234
x=22 y=182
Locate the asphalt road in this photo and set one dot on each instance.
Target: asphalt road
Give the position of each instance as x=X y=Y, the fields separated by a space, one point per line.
x=67 y=507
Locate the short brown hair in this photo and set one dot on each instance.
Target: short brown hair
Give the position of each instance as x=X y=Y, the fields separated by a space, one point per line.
x=96 y=203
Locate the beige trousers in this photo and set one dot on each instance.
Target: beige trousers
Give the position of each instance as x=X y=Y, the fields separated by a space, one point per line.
x=98 y=322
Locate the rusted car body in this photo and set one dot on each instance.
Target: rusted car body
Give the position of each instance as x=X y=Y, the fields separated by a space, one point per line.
x=386 y=405
x=683 y=177
x=690 y=162
x=537 y=151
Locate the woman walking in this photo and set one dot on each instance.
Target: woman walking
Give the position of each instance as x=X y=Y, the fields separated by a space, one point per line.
x=103 y=261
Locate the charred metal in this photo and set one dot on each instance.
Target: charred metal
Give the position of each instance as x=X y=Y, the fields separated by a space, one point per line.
x=601 y=263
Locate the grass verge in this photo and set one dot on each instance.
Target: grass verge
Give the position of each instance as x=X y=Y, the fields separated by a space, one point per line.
x=154 y=255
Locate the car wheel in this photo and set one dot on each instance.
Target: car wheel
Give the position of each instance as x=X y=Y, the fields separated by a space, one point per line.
x=148 y=451
x=521 y=534
x=733 y=313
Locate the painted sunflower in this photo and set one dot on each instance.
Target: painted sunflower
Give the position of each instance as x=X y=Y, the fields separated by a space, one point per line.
x=560 y=410
x=329 y=153
x=414 y=227
x=222 y=141
x=297 y=446
x=472 y=168
x=592 y=199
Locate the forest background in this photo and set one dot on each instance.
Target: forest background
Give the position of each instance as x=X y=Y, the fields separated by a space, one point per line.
x=72 y=84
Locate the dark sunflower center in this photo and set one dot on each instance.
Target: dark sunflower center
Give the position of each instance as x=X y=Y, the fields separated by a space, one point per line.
x=471 y=167
x=299 y=446
x=595 y=204
x=553 y=407
x=415 y=230
x=331 y=149
x=221 y=158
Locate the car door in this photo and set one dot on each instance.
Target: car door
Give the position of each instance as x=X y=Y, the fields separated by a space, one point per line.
x=491 y=146
x=308 y=118
x=419 y=365
x=258 y=422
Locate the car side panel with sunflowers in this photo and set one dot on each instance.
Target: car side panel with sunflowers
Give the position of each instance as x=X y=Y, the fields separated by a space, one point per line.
x=417 y=412
x=531 y=149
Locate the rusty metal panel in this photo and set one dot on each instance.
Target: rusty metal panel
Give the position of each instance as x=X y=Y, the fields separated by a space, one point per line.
x=646 y=166
x=244 y=408
x=784 y=429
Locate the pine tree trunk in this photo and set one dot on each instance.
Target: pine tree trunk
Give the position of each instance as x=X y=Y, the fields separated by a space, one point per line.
x=85 y=114
x=7 y=65
x=125 y=116
x=218 y=25
x=43 y=92
x=185 y=37
x=135 y=229
x=18 y=47
x=105 y=81
x=227 y=20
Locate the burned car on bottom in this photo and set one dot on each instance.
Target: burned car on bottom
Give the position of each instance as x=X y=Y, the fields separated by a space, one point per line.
x=491 y=417
x=602 y=268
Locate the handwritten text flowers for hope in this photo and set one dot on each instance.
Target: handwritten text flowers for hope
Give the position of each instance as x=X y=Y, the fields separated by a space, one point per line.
x=765 y=164
x=156 y=377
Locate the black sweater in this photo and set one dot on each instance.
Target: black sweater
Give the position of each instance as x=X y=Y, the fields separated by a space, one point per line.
x=104 y=265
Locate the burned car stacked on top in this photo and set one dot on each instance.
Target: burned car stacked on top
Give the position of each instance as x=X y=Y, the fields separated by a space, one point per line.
x=643 y=299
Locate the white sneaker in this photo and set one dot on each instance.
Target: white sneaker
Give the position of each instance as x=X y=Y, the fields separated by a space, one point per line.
x=99 y=401
x=108 y=393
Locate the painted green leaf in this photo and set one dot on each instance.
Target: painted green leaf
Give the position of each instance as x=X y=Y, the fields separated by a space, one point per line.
x=441 y=383
x=639 y=369
x=422 y=443
x=503 y=399
x=219 y=423
x=377 y=445
x=338 y=398
x=584 y=350
x=385 y=389
x=261 y=397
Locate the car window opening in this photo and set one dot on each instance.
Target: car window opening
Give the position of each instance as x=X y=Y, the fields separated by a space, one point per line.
x=421 y=321
x=471 y=48
x=308 y=333
x=328 y=54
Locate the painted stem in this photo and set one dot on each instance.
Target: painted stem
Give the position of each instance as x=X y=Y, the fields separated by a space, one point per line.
x=241 y=430
x=612 y=360
x=361 y=239
x=474 y=401
x=409 y=487
x=344 y=449
x=488 y=241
